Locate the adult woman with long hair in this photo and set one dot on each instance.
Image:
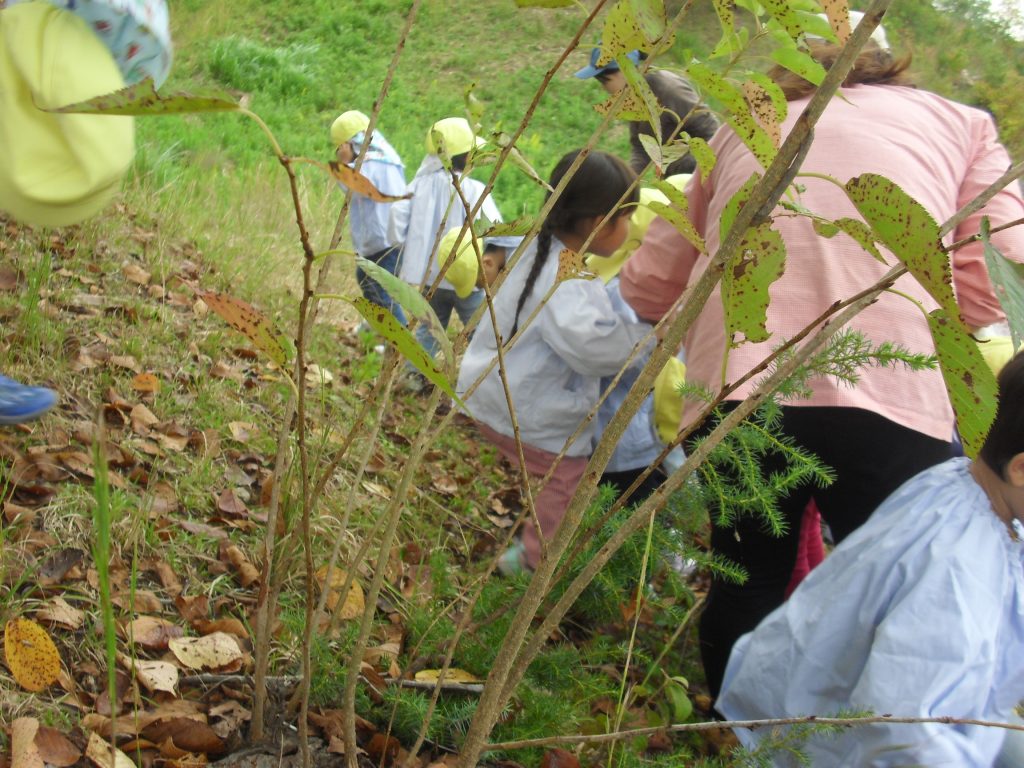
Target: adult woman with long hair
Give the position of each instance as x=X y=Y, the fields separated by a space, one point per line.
x=894 y=423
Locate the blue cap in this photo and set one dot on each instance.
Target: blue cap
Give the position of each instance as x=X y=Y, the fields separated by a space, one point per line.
x=592 y=70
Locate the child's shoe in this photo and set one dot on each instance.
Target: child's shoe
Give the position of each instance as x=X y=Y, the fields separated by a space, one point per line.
x=512 y=561
x=20 y=403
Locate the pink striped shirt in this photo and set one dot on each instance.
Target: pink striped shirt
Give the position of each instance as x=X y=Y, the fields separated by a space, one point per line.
x=941 y=153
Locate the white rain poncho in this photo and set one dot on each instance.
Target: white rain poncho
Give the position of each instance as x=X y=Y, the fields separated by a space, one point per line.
x=919 y=613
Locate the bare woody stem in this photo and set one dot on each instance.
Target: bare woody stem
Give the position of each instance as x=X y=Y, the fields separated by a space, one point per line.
x=845 y=722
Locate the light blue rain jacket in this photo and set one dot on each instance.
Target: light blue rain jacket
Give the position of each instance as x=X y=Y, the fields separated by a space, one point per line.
x=555 y=367
x=919 y=613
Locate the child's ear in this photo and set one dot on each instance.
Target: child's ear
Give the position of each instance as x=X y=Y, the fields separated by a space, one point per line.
x=1015 y=471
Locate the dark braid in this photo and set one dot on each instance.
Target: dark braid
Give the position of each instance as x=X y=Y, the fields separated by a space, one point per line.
x=543 y=248
x=594 y=190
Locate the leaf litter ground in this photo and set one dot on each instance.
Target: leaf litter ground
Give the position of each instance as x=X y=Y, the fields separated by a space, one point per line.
x=115 y=324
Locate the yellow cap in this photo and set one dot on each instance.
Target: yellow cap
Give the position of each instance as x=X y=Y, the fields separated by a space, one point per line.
x=997 y=351
x=57 y=169
x=348 y=124
x=455 y=134
x=668 y=403
x=464 y=268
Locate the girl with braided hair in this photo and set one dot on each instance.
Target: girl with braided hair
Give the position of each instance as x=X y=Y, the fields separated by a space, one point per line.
x=555 y=365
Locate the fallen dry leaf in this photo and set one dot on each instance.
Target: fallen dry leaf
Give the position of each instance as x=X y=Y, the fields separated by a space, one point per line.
x=24 y=752
x=193 y=608
x=153 y=632
x=57 y=611
x=453 y=675
x=210 y=652
x=146 y=383
x=247 y=573
x=31 y=655
x=136 y=274
x=229 y=715
x=99 y=752
x=230 y=625
x=55 y=748
x=229 y=504
x=353 y=603
x=154 y=675
x=241 y=430
x=187 y=734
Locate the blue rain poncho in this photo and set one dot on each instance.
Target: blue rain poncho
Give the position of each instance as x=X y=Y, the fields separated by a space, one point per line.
x=919 y=613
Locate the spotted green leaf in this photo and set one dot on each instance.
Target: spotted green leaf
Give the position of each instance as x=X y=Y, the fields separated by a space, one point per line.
x=384 y=323
x=725 y=10
x=737 y=112
x=411 y=300
x=759 y=262
x=1008 y=280
x=646 y=100
x=740 y=196
x=784 y=13
x=676 y=216
x=515 y=227
x=251 y=323
x=632 y=25
x=704 y=155
x=969 y=381
x=545 y=3
x=799 y=62
x=142 y=99
x=764 y=110
x=909 y=231
x=858 y=230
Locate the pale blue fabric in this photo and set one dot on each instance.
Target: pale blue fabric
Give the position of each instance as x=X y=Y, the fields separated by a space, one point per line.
x=380 y=149
x=639 y=445
x=555 y=368
x=369 y=219
x=420 y=222
x=918 y=613
x=136 y=32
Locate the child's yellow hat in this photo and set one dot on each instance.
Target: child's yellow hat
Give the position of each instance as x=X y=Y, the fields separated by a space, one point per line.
x=56 y=169
x=347 y=125
x=462 y=273
x=455 y=134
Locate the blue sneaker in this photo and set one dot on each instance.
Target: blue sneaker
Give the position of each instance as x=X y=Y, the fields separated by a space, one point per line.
x=19 y=403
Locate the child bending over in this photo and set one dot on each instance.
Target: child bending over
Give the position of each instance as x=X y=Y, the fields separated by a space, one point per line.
x=554 y=369
x=918 y=613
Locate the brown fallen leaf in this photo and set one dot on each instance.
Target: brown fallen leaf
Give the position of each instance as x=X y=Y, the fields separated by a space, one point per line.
x=229 y=715
x=559 y=758
x=55 y=748
x=247 y=572
x=187 y=734
x=31 y=655
x=193 y=608
x=125 y=361
x=210 y=652
x=146 y=383
x=231 y=626
x=154 y=675
x=24 y=752
x=168 y=578
x=58 y=612
x=133 y=273
x=229 y=504
x=152 y=632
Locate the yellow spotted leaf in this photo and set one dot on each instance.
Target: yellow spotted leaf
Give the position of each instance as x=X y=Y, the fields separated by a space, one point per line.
x=453 y=675
x=31 y=655
x=571 y=266
x=359 y=183
x=250 y=322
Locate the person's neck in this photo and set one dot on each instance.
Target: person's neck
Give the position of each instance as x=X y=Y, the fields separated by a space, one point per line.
x=994 y=487
x=570 y=239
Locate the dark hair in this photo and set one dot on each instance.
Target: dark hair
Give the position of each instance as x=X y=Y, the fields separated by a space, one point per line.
x=874 y=66
x=594 y=190
x=459 y=162
x=1006 y=437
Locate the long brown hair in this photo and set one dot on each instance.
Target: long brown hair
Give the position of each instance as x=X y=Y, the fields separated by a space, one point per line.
x=874 y=66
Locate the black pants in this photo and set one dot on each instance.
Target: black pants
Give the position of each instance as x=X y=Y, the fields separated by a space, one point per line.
x=621 y=481
x=871 y=456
